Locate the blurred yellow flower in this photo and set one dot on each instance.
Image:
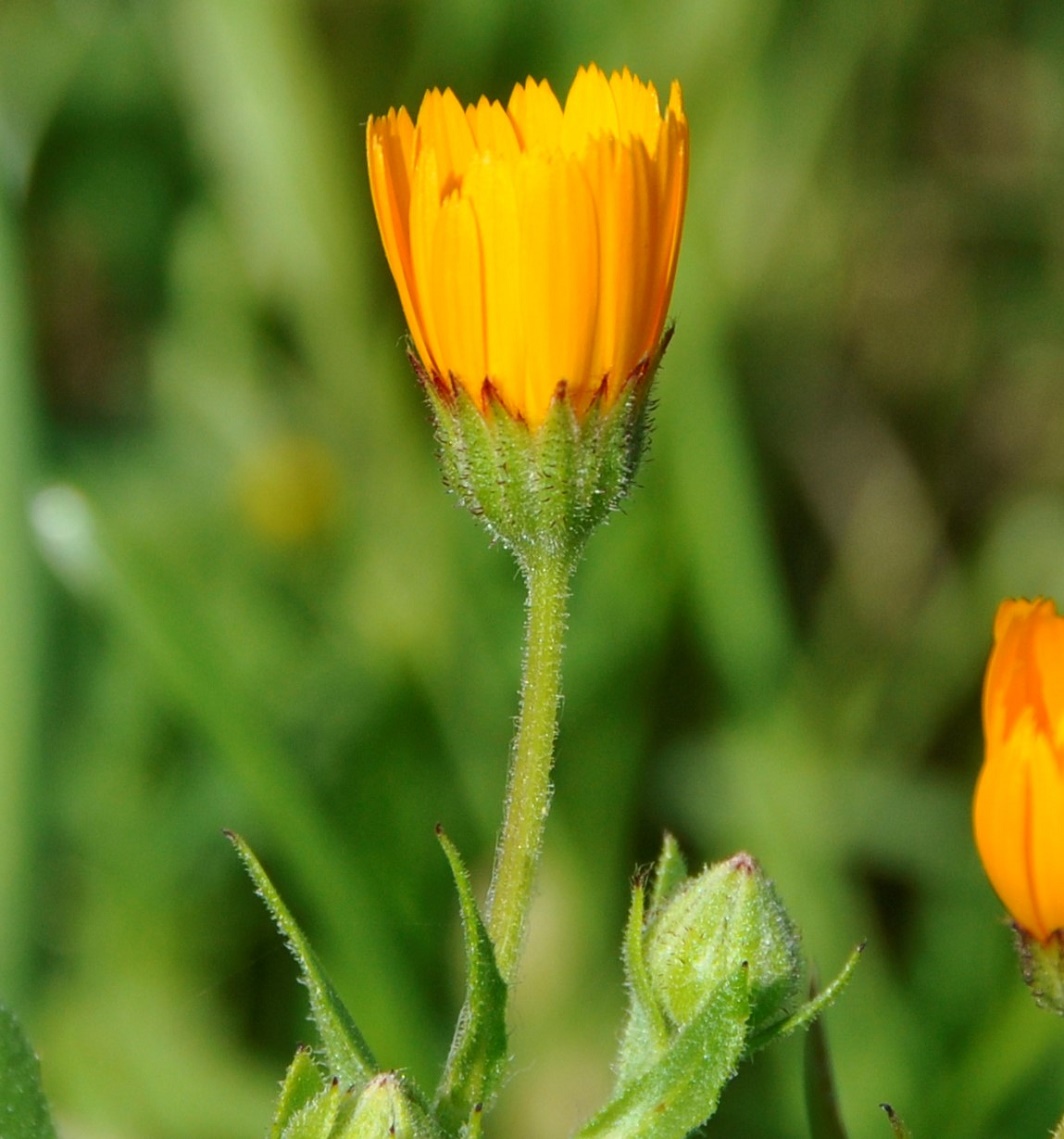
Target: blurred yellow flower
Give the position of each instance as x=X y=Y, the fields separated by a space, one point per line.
x=1019 y=798
x=532 y=244
x=287 y=489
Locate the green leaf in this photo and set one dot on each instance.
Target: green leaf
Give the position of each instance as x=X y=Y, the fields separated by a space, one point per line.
x=346 y=1053
x=821 y=1102
x=646 y=1034
x=302 y=1083
x=23 y=1111
x=477 y=1061
x=669 y=874
x=899 y=1128
x=682 y=1090
x=810 y=1010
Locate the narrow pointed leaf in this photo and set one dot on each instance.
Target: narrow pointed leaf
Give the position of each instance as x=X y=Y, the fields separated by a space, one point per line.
x=477 y=1062
x=646 y=1034
x=669 y=873
x=346 y=1053
x=682 y=1090
x=810 y=1010
x=23 y=1111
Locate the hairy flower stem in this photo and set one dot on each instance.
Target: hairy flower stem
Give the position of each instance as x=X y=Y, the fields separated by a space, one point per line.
x=528 y=791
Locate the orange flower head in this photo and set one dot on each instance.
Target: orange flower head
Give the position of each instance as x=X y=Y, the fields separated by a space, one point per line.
x=1019 y=798
x=534 y=245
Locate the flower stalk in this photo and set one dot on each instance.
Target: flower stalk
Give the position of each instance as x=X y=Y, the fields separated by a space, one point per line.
x=528 y=789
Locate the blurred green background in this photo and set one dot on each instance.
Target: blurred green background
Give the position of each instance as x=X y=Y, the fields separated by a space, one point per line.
x=233 y=592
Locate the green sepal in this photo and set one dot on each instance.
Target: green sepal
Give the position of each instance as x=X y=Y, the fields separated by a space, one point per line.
x=809 y=1011
x=23 y=1110
x=347 y=1056
x=544 y=489
x=325 y=1116
x=646 y=1033
x=1042 y=963
x=821 y=1100
x=669 y=873
x=477 y=1062
x=302 y=1083
x=682 y=1089
x=897 y=1125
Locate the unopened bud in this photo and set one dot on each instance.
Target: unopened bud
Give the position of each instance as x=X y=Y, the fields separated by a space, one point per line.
x=387 y=1110
x=709 y=927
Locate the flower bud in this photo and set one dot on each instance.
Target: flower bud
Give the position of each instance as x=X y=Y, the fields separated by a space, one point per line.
x=387 y=1110
x=709 y=926
x=1019 y=798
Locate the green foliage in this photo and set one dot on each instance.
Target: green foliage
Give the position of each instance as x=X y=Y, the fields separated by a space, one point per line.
x=681 y=1088
x=347 y=1056
x=479 y=1052
x=23 y=1111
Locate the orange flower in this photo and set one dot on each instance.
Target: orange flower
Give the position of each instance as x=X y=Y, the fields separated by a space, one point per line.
x=531 y=244
x=1019 y=798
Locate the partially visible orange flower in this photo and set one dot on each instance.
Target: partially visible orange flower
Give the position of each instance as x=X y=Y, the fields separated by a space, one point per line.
x=533 y=244
x=1019 y=798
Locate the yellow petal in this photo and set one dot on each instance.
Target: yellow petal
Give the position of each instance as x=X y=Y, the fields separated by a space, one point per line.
x=534 y=245
x=442 y=128
x=589 y=110
x=489 y=188
x=492 y=130
x=638 y=111
x=536 y=115
x=389 y=145
x=456 y=293
x=1002 y=819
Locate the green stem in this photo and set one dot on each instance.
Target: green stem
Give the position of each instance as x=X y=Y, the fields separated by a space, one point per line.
x=528 y=791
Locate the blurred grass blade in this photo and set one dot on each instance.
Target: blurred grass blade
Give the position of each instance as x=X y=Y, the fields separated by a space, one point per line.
x=821 y=1101
x=23 y=1112
x=901 y=1131
x=163 y=616
x=18 y=633
x=477 y=1062
x=347 y=1054
x=737 y=582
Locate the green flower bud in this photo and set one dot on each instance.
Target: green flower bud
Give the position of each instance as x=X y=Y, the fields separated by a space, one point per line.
x=707 y=928
x=387 y=1110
